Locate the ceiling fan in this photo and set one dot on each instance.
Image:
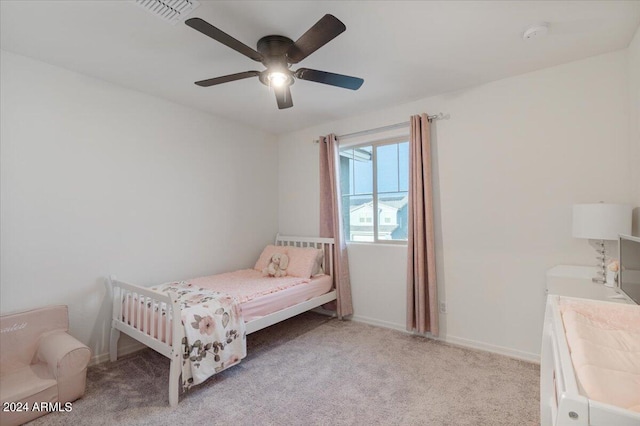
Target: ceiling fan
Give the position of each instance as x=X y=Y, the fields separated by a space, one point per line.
x=278 y=53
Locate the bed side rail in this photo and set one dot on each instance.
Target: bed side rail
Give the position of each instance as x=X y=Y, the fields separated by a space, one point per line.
x=138 y=312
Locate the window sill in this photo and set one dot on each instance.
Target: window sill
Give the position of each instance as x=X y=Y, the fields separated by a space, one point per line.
x=373 y=244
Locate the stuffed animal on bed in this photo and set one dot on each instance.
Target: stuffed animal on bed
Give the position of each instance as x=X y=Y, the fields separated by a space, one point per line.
x=277 y=267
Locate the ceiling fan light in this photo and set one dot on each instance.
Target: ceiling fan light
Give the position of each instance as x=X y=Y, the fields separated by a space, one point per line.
x=277 y=79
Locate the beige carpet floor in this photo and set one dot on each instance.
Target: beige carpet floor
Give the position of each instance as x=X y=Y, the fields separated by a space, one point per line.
x=313 y=370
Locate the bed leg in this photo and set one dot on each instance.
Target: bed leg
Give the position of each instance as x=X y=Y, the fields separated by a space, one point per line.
x=174 y=380
x=113 y=345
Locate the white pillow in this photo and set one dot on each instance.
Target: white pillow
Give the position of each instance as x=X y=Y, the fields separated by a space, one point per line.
x=317 y=266
x=302 y=261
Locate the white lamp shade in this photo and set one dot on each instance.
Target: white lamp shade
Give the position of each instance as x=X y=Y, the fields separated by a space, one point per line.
x=600 y=221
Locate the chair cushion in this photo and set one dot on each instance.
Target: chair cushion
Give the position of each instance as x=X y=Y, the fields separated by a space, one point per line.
x=28 y=385
x=26 y=382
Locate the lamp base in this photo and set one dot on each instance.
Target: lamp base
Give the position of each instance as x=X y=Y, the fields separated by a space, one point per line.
x=601 y=274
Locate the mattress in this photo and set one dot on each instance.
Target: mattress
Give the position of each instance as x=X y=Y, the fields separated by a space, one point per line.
x=276 y=301
x=245 y=284
x=258 y=296
x=604 y=341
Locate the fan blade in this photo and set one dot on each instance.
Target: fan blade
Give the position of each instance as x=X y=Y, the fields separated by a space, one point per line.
x=283 y=96
x=227 y=78
x=209 y=30
x=324 y=77
x=325 y=30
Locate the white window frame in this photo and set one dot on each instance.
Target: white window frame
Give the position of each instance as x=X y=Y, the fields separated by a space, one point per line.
x=374 y=152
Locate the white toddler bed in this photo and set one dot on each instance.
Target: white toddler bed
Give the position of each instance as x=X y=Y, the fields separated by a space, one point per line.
x=165 y=336
x=563 y=397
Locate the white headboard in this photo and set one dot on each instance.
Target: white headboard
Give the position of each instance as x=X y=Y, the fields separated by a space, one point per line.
x=325 y=244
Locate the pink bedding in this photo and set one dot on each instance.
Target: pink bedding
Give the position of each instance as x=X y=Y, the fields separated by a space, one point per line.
x=246 y=284
x=604 y=340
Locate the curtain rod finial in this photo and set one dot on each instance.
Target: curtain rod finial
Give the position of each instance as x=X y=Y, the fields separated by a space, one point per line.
x=439 y=116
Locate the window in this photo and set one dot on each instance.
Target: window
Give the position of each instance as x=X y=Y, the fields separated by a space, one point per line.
x=375 y=178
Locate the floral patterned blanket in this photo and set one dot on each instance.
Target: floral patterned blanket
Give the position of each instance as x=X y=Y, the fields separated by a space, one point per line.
x=214 y=329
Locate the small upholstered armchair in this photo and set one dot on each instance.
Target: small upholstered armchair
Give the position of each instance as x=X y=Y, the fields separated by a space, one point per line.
x=39 y=362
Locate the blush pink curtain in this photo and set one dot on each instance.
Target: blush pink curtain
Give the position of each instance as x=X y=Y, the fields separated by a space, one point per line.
x=331 y=220
x=422 y=306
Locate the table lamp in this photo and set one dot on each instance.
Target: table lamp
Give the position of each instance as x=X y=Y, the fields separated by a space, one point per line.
x=601 y=221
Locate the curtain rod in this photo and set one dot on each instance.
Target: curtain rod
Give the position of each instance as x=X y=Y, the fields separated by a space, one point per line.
x=383 y=128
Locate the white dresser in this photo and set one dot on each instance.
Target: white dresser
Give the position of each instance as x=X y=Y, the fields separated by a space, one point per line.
x=561 y=401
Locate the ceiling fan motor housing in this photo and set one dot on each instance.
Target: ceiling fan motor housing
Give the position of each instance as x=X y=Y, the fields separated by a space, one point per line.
x=274 y=45
x=274 y=50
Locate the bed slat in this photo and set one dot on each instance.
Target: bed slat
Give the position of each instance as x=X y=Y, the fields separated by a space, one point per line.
x=153 y=322
x=159 y=317
x=138 y=310
x=126 y=311
x=146 y=315
x=167 y=322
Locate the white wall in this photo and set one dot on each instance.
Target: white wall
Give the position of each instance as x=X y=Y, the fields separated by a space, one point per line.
x=509 y=163
x=634 y=124
x=97 y=180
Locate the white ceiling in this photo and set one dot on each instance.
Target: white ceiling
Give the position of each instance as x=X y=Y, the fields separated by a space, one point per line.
x=403 y=50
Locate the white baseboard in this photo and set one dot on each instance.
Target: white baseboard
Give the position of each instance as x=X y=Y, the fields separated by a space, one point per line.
x=457 y=341
x=380 y=323
x=487 y=347
x=124 y=350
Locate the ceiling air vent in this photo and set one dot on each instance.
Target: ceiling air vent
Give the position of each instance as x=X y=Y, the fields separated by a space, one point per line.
x=171 y=11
